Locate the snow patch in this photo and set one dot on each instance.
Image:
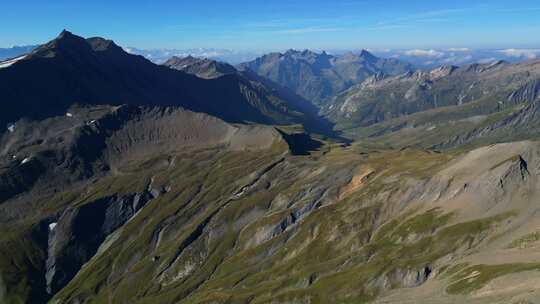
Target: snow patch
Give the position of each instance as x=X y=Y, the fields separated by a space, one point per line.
x=52 y=226
x=10 y=62
x=24 y=161
x=69 y=114
x=11 y=127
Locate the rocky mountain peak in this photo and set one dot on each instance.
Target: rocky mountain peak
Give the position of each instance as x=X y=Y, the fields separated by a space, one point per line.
x=64 y=42
x=304 y=54
x=367 y=55
x=442 y=71
x=65 y=34
x=201 y=67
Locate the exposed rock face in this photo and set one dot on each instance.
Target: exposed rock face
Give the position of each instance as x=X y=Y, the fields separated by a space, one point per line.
x=75 y=237
x=355 y=183
x=407 y=278
x=529 y=92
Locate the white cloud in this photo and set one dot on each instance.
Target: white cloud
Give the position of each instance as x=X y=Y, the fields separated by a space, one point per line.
x=457 y=59
x=487 y=60
x=424 y=53
x=521 y=53
x=459 y=49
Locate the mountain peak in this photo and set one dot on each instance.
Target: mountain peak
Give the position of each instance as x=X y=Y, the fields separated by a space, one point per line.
x=64 y=33
x=64 y=42
x=291 y=52
x=367 y=55
x=201 y=67
x=67 y=35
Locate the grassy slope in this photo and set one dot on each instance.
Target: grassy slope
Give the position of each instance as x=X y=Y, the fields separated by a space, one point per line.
x=340 y=252
x=334 y=255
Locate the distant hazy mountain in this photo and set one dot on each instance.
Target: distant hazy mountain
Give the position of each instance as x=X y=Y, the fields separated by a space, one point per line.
x=162 y=55
x=201 y=67
x=319 y=76
x=6 y=53
x=432 y=58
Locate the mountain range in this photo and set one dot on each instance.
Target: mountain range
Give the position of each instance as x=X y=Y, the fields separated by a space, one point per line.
x=317 y=77
x=415 y=106
x=298 y=177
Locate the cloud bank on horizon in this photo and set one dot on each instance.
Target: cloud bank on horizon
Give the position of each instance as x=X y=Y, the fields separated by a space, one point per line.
x=428 y=58
x=421 y=58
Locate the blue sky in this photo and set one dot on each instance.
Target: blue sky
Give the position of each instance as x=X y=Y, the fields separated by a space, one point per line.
x=276 y=25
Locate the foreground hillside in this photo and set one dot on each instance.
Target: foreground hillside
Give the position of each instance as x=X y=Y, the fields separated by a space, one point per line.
x=191 y=209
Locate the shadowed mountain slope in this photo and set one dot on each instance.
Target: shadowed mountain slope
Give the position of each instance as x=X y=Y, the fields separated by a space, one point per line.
x=71 y=70
x=210 y=69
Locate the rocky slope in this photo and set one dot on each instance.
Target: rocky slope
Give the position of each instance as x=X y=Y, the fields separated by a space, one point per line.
x=448 y=101
x=522 y=123
x=318 y=77
x=201 y=67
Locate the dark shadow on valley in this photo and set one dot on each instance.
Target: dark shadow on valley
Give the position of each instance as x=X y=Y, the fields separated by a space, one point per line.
x=301 y=143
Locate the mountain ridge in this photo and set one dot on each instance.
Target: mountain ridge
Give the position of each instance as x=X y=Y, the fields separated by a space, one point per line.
x=100 y=72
